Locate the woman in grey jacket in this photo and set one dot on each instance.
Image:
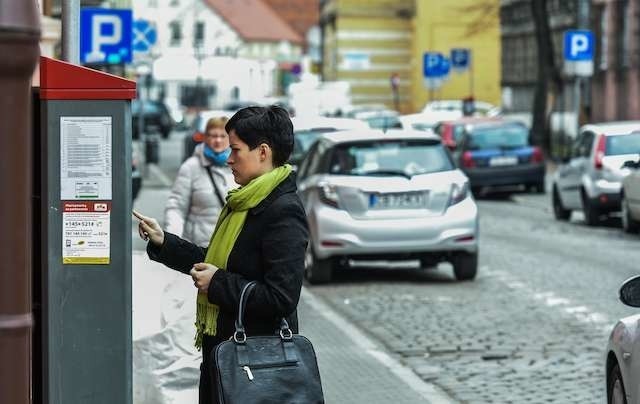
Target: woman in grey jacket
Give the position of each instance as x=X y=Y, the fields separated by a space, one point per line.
x=198 y=193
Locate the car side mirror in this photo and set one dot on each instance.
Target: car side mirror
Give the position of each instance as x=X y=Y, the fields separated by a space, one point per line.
x=630 y=292
x=632 y=164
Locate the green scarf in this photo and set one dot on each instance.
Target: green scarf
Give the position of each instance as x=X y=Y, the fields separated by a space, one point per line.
x=228 y=227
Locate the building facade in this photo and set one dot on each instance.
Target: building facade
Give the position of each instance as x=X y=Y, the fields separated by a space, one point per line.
x=469 y=24
x=365 y=43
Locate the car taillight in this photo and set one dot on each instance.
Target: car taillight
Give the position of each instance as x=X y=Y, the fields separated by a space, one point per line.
x=198 y=137
x=328 y=195
x=467 y=160
x=459 y=192
x=601 y=149
x=537 y=156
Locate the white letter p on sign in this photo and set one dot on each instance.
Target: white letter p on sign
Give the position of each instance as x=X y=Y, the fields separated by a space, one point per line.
x=98 y=39
x=579 y=44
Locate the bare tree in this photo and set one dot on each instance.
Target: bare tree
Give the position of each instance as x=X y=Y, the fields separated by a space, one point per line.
x=549 y=81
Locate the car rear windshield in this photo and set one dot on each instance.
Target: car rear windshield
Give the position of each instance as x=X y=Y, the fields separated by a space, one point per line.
x=499 y=137
x=304 y=139
x=390 y=157
x=623 y=144
x=384 y=122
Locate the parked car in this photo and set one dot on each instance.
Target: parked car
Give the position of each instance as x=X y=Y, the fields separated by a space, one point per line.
x=452 y=131
x=198 y=127
x=481 y=108
x=307 y=129
x=394 y=195
x=497 y=153
x=591 y=178
x=630 y=197
x=623 y=351
x=425 y=121
x=157 y=118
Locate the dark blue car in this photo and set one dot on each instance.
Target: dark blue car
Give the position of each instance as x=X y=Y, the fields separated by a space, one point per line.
x=498 y=154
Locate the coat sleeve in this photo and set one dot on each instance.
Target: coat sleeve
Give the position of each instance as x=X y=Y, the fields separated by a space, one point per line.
x=284 y=242
x=176 y=253
x=177 y=209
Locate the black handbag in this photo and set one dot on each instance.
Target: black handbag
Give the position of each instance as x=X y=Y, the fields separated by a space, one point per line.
x=279 y=368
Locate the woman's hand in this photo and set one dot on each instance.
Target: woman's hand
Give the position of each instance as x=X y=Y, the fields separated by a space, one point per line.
x=149 y=229
x=201 y=274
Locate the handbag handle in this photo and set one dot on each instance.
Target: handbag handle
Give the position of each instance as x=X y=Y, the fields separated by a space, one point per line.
x=240 y=336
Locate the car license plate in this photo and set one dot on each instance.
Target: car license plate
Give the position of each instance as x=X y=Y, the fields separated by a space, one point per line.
x=502 y=161
x=405 y=200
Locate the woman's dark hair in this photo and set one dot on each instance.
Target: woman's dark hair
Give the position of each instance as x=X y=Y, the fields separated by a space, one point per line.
x=270 y=125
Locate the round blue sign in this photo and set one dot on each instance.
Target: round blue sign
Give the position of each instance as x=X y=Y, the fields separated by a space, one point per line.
x=144 y=35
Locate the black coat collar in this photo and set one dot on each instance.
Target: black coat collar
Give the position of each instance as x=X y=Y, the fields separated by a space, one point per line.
x=285 y=187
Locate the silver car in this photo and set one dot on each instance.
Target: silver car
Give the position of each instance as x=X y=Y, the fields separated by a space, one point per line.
x=623 y=351
x=591 y=179
x=396 y=195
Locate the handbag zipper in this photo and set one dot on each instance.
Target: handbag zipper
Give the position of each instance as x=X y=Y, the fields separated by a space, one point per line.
x=249 y=373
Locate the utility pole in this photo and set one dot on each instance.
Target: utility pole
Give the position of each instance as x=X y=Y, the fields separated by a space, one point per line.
x=581 y=85
x=71 y=31
x=19 y=42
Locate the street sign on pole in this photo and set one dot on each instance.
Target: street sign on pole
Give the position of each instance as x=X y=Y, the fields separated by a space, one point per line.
x=578 y=53
x=145 y=36
x=105 y=35
x=435 y=69
x=460 y=59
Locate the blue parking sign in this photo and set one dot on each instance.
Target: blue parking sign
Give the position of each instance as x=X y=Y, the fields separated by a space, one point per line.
x=105 y=35
x=432 y=64
x=578 y=45
x=460 y=58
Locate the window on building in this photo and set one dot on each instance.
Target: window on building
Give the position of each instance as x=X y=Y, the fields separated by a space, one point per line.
x=153 y=3
x=176 y=33
x=198 y=34
x=174 y=3
x=197 y=95
x=622 y=37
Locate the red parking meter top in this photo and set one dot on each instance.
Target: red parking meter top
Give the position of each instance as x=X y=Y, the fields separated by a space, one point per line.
x=61 y=80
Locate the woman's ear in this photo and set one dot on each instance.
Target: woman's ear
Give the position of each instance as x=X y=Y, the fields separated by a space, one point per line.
x=265 y=152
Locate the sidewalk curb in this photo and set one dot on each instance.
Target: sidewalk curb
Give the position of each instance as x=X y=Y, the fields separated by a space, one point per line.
x=428 y=391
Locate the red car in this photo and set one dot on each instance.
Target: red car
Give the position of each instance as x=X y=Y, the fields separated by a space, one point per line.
x=451 y=132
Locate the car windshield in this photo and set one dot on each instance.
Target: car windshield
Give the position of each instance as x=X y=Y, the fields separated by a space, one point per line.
x=149 y=107
x=624 y=144
x=499 y=137
x=389 y=157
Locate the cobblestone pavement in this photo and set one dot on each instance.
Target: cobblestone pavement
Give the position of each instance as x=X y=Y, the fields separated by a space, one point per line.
x=532 y=328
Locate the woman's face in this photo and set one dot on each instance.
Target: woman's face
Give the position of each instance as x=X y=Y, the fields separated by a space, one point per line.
x=217 y=139
x=247 y=164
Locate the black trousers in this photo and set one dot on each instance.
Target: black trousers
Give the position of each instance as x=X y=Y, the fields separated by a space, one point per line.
x=208 y=393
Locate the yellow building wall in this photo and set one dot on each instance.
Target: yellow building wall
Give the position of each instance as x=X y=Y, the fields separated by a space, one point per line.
x=439 y=26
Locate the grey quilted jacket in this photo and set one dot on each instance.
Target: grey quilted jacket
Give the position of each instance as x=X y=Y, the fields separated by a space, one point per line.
x=193 y=207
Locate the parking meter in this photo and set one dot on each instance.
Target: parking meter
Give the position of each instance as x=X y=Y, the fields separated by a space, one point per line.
x=84 y=152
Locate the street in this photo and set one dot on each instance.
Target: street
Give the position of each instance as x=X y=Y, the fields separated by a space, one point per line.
x=532 y=327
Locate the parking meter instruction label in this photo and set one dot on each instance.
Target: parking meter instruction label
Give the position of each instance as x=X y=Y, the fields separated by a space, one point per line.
x=86 y=232
x=85 y=157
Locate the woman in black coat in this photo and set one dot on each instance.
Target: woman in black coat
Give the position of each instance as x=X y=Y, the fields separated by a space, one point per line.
x=261 y=236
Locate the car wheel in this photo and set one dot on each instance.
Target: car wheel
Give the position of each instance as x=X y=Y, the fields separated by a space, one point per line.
x=465 y=265
x=616 y=390
x=591 y=214
x=629 y=224
x=165 y=133
x=317 y=270
x=539 y=187
x=559 y=211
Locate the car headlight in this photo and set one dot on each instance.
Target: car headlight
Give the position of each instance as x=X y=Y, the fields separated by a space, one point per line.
x=459 y=192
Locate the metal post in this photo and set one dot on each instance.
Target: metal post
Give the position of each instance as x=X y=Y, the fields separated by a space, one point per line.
x=576 y=102
x=71 y=31
x=19 y=37
x=471 y=74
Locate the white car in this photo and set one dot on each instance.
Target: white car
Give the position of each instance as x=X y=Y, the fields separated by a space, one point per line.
x=591 y=178
x=307 y=129
x=395 y=195
x=427 y=121
x=623 y=351
x=481 y=108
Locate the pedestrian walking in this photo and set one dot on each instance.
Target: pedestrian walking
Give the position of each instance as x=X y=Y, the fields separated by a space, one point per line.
x=198 y=192
x=261 y=235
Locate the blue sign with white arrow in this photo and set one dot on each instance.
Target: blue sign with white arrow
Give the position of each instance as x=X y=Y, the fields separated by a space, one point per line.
x=145 y=35
x=578 y=45
x=105 y=35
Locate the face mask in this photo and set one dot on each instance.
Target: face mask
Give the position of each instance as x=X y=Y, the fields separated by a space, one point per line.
x=217 y=158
